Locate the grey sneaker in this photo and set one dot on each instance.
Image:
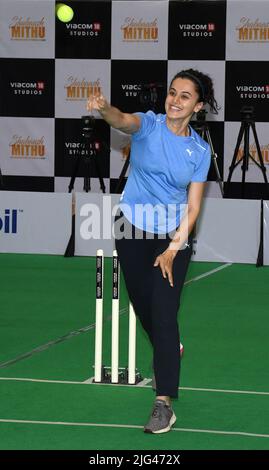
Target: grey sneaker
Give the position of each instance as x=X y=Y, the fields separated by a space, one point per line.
x=162 y=418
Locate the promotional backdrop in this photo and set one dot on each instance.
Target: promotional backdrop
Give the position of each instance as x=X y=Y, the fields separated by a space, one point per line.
x=129 y=50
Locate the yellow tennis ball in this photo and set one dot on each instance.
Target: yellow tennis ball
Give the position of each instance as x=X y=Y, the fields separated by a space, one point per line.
x=64 y=12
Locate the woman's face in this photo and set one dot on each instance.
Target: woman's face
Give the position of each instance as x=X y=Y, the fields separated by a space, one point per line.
x=182 y=99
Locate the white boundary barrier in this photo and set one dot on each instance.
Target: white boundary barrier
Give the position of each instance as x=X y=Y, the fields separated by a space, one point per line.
x=228 y=230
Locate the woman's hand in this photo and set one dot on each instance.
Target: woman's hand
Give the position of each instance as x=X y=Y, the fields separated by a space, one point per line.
x=165 y=262
x=125 y=122
x=97 y=102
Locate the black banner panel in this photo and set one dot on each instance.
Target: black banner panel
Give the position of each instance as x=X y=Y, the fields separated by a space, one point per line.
x=88 y=34
x=28 y=183
x=247 y=84
x=197 y=30
x=139 y=85
x=79 y=152
x=27 y=87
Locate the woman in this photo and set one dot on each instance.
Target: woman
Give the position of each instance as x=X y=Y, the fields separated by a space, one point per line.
x=169 y=163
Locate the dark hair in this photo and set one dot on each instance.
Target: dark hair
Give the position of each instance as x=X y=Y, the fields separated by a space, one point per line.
x=203 y=85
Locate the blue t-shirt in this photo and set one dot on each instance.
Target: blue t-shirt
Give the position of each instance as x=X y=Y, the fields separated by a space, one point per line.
x=162 y=165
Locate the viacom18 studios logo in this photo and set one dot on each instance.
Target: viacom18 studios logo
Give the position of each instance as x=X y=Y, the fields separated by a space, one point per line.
x=254 y=153
x=84 y=29
x=252 y=31
x=27 y=88
x=78 y=90
x=131 y=90
x=27 y=148
x=197 y=30
x=260 y=92
x=27 y=29
x=79 y=149
x=134 y=30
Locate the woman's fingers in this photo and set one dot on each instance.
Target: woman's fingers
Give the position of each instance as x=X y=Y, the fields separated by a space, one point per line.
x=89 y=105
x=170 y=278
x=163 y=271
x=166 y=269
x=157 y=261
x=167 y=272
x=92 y=103
x=95 y=102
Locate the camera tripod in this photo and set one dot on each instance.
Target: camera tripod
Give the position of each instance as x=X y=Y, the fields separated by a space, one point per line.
x=87 y=145
x=119 y=187
x=247 y=123
x=201 y=127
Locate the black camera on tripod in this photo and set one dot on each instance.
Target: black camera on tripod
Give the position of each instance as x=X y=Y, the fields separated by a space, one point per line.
x=200 y=125
x=247 y=125
x=90 y=147
x=149 y=94
x=87 y=126
x=89 y=150
x=247 y=113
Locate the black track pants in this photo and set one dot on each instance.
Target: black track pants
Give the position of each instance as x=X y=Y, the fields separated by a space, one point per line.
x=156 y=303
